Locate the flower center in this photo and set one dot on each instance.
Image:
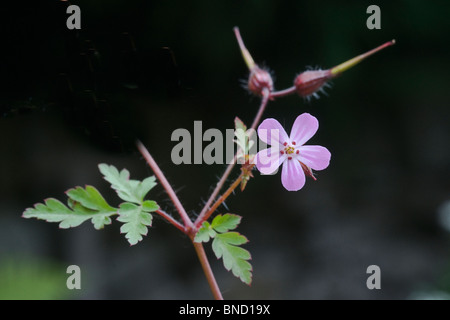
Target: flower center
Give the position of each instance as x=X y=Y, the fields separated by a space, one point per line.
x=288 y=149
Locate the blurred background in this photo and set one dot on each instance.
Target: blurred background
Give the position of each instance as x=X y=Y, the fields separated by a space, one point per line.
x=71 y=99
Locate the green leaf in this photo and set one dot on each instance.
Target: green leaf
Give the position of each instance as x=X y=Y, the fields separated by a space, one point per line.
x=55 y=211
x=221 y=223
x=225 y=246
x=84 y=204
x=145 y=186
x=127 y=189
x=89 y=198
x=149 y=206
x=135 y=220
x=87 y=203
x=226 y=222
x=204 y=233
x=98 y=219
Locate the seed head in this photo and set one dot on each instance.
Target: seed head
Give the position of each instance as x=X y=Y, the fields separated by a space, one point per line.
x=259 y=79
x=310 y=82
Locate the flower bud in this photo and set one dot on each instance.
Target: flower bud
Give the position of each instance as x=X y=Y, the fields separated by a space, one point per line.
x=258 y=80
x=310 y=82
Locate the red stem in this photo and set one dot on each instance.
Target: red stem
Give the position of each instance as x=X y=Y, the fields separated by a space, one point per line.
x=223 y=197
x=171 y=220
x=166 y=185
x=188 y=227
x=262 y=107
x=207 y=270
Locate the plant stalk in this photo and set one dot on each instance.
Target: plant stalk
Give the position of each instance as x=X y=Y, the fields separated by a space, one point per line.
x=284 y=92
x=201 y=218
x=223 y=197
x=171 y=220
x=207 y=270
x=188 y=228
x=166 y=185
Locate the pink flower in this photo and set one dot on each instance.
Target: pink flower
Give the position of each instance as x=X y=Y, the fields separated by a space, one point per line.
x=290 y=151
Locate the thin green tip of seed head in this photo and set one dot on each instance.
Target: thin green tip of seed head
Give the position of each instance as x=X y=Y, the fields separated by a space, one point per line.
x=335 y=71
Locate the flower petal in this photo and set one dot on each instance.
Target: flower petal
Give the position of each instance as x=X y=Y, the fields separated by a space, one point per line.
x=271 y=132
x=315 y=157
x=268 y=160
x=305 y=126
x=292 y=176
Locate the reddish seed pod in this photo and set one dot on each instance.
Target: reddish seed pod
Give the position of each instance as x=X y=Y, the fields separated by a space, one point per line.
x=258 y=80
x=309 y=82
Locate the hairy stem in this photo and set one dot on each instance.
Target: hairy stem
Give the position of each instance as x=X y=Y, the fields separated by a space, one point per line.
x=206 y=208
x=207 y=270
x=262 y=108
x=171 y=220
x=188 y=227
x=223 y=197
x=166 y=185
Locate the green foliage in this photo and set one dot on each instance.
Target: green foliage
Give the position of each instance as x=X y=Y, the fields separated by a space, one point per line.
x=136 y=219
x=235 y=258
x=128 y=190
x=223 y=223
x=205 y=233
x=88 y=204
x=226 y=244
x=89 y=198
x=84 y=204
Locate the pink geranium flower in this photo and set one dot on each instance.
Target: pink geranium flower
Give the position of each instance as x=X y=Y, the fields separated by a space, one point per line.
x=290 y=151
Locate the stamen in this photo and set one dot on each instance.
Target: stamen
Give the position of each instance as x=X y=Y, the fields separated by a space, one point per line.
x=289 y=158
x=297 y=152
x=285 y=144
x=282 y=152
x=289 y=150
x=293 y=143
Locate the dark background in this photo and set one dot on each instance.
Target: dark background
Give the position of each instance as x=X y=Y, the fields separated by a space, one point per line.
x=70 y=99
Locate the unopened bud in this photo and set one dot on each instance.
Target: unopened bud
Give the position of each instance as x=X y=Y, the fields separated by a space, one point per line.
x=259 y=79
x=310 y=82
